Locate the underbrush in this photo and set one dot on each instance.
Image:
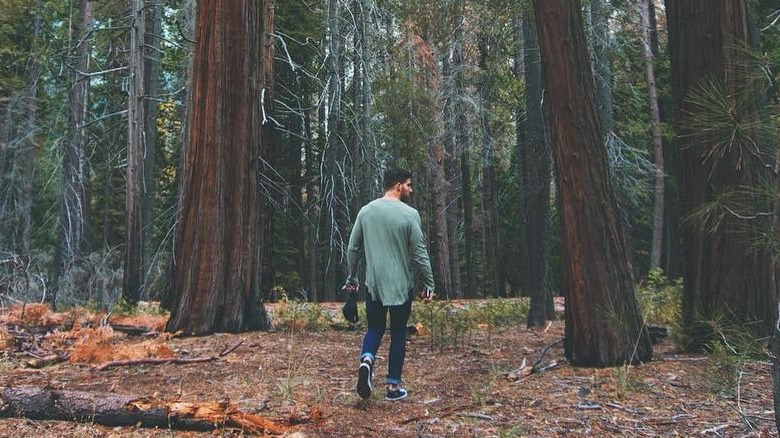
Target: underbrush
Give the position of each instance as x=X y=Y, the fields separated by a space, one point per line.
x=660 y=300
x=448 y=324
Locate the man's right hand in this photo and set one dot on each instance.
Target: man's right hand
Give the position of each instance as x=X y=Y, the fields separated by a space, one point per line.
x=351 y=287
x=426 y=295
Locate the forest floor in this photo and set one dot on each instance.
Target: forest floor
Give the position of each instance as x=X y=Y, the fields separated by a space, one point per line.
x=473 y=389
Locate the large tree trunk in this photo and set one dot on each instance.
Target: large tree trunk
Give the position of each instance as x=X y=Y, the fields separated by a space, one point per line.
x=534 y=162
x=217 y=244
x=719 y=156
x=136 y=147
x=603 y=324
x=658 y=146
x=117 y=410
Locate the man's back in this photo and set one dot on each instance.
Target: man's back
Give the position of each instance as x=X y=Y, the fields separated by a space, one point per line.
x=388 y=234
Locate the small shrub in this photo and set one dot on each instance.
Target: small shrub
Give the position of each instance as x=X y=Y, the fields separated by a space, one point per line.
x=660 y=300
x=448 y=326
x=625 y=381
x=293 y=315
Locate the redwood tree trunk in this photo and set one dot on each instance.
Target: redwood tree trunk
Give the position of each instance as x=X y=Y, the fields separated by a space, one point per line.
x=723 y=272
x=603 y=324
x=217 y=245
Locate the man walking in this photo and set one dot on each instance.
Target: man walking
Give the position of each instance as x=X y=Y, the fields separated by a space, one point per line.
x=387 y=236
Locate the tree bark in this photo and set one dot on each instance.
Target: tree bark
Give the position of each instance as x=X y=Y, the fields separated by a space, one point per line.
x=266 y=271
x=534 y=164
x=133 y=280
x=217 y=245
x=658 y=146
x=333 y=179
x=603 y=324
x=117 y=410
x=152 y=53
x=724 y=274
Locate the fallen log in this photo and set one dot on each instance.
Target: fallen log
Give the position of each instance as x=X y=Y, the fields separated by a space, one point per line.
x=115 y=410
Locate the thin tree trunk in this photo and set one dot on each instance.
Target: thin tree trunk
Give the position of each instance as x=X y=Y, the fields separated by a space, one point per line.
x=451 y=168
x=493 y=284
x=311 y=205
x=266 y=271
x=136 y=146
x=658 y=146
x=73 y=222
x=28 y=160
x=333 y=197
x=462 y=146
x=152 y=52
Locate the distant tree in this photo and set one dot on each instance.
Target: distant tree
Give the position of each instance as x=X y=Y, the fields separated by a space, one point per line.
x=655 y=128
x=73 y=219
x=216 y=260
x=603 y=324
x=136 y=150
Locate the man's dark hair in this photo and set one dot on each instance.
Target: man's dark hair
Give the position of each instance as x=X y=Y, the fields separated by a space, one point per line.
x=395 y=176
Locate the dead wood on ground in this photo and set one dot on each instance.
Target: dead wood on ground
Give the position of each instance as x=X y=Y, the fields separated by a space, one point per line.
x=115 y=410
x=168 y=360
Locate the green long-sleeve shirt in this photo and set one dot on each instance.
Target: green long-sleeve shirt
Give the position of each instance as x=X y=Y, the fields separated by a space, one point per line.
x=387 y=234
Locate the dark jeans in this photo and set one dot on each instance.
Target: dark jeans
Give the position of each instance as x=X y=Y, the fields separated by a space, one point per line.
x=376 y=316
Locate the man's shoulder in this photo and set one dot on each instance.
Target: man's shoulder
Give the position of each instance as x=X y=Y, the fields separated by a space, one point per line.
x=393 y=208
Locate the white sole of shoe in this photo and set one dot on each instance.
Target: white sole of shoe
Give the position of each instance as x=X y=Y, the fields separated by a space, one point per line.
x=364 y=381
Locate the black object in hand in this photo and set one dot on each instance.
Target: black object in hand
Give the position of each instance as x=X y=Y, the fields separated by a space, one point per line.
x=350 y=310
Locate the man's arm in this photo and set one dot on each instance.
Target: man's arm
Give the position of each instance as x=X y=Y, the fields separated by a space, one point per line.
x=420 y=260
x=354 y=251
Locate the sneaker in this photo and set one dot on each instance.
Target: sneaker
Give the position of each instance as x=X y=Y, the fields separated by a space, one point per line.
x=364 y=380
x=397 y=394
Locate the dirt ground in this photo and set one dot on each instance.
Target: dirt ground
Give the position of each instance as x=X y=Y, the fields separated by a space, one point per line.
x=469 y=390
